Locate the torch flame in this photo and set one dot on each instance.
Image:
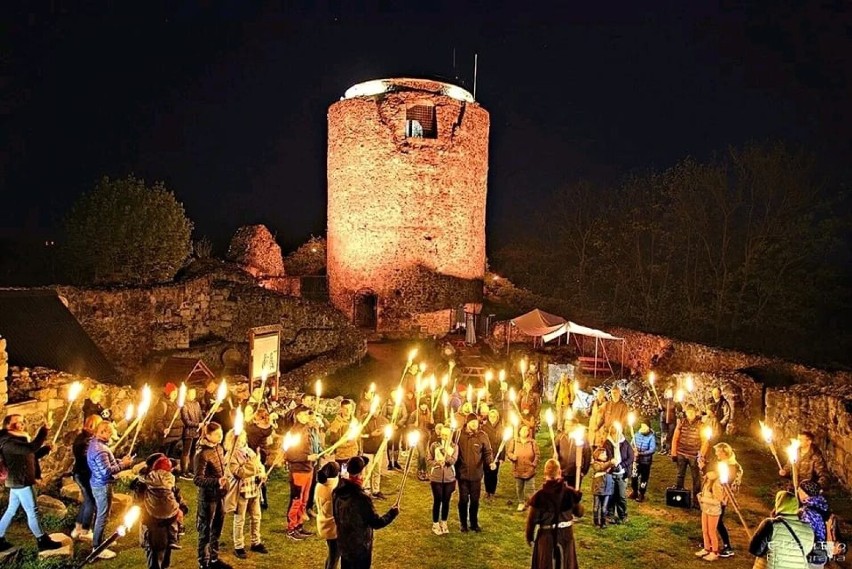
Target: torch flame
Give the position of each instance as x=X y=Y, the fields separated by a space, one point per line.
x=617 y=425
x=354 y=430
x=445 y=399
x=181 y=400
x=222 y=391
x=507 y=433
x=413 y=438
x=631 y=418
x=652 y=377
x=793 y=451
x=128 y=415
x=374 y=405
x=74 y=391
x=489 y=375
x=238 y=422
x=515 y=420
x=690 y=383
x=469 y=393
x=502 y=376
x=422 y=367
x=397 y=396
x=388 y=431
x=513 y=396
x=145 y=404
x=579 y=435
x=523 y=365
x=453 y=423
x=131 y=517
x=445 y=380
x=318 y=388
x=724 y=473
x=679 y=396
x=707 y=433
x=548 y=417
x=433 y=382
x=766 y=432
x=372 y=388
x=411 y=355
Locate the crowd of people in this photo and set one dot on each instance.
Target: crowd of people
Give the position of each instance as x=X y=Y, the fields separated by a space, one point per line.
x=335 y=470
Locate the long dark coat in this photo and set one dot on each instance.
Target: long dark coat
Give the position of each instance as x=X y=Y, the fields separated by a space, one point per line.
x=553 y=548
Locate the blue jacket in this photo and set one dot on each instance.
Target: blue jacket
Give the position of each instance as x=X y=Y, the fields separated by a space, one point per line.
x=101 y=462
x=646 y=446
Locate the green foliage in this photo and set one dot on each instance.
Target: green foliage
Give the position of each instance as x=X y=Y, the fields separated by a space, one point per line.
x=745 y=250
x=308 y=259
x=125 y=232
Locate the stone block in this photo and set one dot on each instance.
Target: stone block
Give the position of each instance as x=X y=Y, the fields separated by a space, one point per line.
x=66 y=550
x=71 y=492
x=52 y=506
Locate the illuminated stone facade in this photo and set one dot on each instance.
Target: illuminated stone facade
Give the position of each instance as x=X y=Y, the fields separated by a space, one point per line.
x=407 y=182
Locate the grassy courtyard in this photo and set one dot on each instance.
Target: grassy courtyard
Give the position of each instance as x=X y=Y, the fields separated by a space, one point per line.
x=656 y=536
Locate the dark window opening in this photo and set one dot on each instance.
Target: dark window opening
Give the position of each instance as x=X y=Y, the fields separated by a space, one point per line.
x=421 y=122
x=366 y=310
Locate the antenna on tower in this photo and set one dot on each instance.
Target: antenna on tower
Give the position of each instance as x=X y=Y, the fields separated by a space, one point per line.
x=455 y=71
x=475 y=67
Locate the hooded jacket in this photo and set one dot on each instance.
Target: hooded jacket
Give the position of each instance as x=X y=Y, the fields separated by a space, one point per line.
x=524 y=456
x=102 y=463
x=21 y=457
x=191 y=417
x=356 y=519
x=646 y=446
x=442 y=470
x=602 y=482
x=326 y=528
x=474 y=454
x=159 y=495
x=625 y=467
x=784 y=552
x=209 y=467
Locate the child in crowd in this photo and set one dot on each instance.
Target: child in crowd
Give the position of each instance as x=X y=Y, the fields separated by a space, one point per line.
x=249 y=474
x=603 y=484
x=162 y=510
x=711 y=498
x=327 y=479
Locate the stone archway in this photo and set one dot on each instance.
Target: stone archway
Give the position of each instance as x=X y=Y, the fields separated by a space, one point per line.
x=365 y=309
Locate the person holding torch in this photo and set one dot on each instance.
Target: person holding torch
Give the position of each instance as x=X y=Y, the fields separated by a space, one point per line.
x=212 y=485
x=567 y=452
x=443 y=454
x=168 y=424
x=475 y=455
x=809 y=464
x=103 y=466
x=522 y=451
x=300 y=460
x=645 y=445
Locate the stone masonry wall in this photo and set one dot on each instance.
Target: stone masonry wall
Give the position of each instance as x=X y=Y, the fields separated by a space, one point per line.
x=396 y=203
x=215 y=310
x=43 y=392
x=824 y=410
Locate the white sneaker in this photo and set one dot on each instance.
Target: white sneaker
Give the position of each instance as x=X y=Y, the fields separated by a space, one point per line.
x=444 y=528
x=75 y=533
x=106 y=554
x=520 y=507
x=436 y=529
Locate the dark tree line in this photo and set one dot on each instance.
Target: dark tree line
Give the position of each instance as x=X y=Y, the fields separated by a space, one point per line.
x=748 y=250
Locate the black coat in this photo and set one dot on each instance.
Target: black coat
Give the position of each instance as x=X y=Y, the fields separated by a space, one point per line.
x=21 y=457
x=191 y=416
x=209 y=468
x=79 y=448
x=474 y=455
x=356 y=519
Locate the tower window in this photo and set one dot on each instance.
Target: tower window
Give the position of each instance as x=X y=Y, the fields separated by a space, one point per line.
x=420 y=122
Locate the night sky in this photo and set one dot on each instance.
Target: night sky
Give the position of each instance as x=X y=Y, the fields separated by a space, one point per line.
x=227 y=103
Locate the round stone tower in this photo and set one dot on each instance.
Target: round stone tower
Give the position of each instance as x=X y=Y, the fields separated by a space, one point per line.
x=407 y=182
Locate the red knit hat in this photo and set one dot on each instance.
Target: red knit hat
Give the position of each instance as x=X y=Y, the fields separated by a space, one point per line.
x=163 y=463
x=169 y=388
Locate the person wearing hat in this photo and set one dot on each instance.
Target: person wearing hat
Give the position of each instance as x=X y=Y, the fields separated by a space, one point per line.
x=475 y=455
x=162 y=510
x=210 y=479
x=644 y=447
x=338 y=430
x=245 y=467
x=551 y=516
x=300 y=461
x=166 y=409
x=815 y=512
x=356 y=518
x=783 y=539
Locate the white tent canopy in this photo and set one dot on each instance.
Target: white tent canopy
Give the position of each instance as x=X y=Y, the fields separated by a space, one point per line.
x=540 y=324
x=548 y=327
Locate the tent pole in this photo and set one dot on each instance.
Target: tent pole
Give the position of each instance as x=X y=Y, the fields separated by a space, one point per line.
x=622 y=357
x=596 y=357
